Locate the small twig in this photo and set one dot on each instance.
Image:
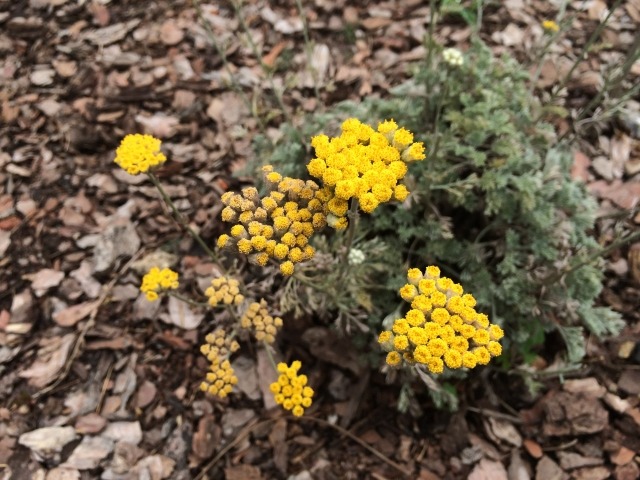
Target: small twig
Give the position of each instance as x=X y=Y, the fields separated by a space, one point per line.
x=241 y=436
x=360 y=442
x=105 y=385
x=87 y=326
x=494 y=414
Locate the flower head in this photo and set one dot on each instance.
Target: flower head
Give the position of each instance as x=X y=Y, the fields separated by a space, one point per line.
x=137 y=153
x=224 y=290
x=257 y=318
x=550 y=26
x=453 y=57
x=291 y=390
x=157 y=281
x=442 y=328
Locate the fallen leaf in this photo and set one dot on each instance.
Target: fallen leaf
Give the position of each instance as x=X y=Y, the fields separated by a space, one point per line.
x=159 y=125
x=181 y=315
x=90 y=423
x=72 y=315
x=129 y=432
x=170 y=33
x=44 y=280
x=547 y=469
x=89 y=453
x=488 y=470
x=242 y=472
x=623 y=456
x=155 y=467
x=50 y=359
x=48 y=440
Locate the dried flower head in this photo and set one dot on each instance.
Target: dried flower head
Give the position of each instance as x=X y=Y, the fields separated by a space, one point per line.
x=137 y=153
x=221 y=378
x=277 y=226
x=291 y=390
x=442 y=328
x=224 y=290
x=157 y=281
x=257 y=318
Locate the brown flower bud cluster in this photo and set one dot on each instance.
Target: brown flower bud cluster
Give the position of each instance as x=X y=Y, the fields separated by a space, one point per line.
x=257 y=318
x=277 y=226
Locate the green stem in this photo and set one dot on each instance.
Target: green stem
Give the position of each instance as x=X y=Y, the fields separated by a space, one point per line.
x=353 y=220
x=180 y=219
x=187 y=300
x=267 y=348
x=236 y=88
x=551 y=279
x=265 y=69
x=309 y=49
x=594 y=36
x=631 y=57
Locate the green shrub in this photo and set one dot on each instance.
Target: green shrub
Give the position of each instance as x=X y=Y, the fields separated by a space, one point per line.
x=493 y=205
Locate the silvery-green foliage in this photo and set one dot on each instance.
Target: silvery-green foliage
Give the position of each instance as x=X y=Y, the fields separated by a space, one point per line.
x=493 y=204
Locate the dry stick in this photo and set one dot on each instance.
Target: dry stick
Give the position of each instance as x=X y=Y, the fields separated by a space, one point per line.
x=212 y=39
x=308 y=49
x=90 y=323
x=360 y=442
x=254 y=48
x=247 y=430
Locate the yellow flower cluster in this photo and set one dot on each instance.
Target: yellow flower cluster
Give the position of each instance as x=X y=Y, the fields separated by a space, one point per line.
x=277 y=226
x=264 y=325
x=156 y=281
x=363 y=163
x=291 y=390
x=224 y=290
x=550 y=26
x=137 y=153
x=221 y=378
x=441 y=328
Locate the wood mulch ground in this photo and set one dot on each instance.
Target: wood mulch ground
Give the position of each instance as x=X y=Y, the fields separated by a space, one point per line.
x=95 y=382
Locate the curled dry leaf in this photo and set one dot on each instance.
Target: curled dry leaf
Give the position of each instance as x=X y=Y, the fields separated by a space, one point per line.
x=49 y=361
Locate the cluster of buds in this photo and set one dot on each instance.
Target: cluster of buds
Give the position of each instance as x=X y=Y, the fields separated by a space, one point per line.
x=277 y=226
x=138 y=153
x=363 y=164
x=221 y=378
x=258 y=319
x=157 y=281
x=291 y=390
x=441 y=328
x=453 y=57
x=224 y=290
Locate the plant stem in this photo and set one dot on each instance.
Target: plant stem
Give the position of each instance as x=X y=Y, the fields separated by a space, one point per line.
x=265 y=69
x=353 y=220
x=180 y=219
x=585 y=50
x=187 y=300
x=236 y=88
x=551 y=279
x=267 y=348
x=309 y=50
x=632 y=56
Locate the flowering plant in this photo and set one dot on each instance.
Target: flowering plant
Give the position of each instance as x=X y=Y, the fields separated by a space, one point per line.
x=356 y=171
